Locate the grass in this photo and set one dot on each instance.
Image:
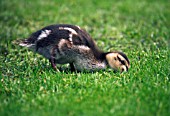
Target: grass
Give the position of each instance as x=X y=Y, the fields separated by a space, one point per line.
x=29 y=86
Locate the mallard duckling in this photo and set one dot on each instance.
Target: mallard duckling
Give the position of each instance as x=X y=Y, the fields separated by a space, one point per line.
x=64 y=43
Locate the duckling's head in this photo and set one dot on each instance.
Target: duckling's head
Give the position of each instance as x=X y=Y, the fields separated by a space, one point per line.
x=118 y=61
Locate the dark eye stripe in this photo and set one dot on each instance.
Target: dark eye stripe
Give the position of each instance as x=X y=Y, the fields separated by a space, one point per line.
x=122 y=61
x=118 y=58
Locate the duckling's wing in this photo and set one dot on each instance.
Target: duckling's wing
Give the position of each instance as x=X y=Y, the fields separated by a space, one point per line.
x=72 y=33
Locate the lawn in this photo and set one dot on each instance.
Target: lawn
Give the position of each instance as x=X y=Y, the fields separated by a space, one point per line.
x=140 y=28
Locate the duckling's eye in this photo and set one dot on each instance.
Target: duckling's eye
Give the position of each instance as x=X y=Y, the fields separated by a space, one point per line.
x=115 y=58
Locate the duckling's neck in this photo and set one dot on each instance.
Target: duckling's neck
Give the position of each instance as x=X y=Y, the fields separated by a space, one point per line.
x=101 y=57
x=99 y=54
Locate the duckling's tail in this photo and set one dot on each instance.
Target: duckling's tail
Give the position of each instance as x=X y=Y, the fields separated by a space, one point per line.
x=23 y=42
x=17 y=41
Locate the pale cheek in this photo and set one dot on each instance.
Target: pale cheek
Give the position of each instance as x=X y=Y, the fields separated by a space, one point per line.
x=117 y=64
x=114 y=65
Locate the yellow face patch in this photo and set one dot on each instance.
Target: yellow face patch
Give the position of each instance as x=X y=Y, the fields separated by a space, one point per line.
x=117 y=62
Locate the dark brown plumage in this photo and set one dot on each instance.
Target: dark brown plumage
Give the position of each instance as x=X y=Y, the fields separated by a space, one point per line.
x=64 y=43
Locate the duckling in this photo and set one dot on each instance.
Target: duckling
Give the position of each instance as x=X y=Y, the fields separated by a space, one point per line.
x=65 y=43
